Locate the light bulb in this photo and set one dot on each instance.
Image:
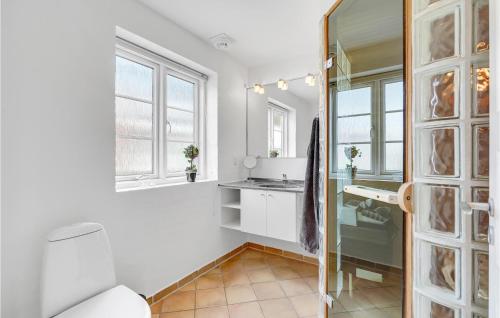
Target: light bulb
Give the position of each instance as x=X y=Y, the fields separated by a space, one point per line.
x=312 y=82
x=256 y=88
x=281 y=82
x=310 y=79
x=285 y=86
x=261 y=90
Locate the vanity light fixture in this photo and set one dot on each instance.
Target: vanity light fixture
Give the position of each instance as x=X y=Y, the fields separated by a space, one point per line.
x=310 y=79
x=282 y=84
x=258 y=88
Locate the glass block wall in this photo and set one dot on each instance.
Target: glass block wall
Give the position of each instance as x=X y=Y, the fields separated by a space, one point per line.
x=451 y=144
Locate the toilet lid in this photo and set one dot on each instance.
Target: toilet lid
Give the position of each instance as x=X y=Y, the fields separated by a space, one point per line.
x=118 y=302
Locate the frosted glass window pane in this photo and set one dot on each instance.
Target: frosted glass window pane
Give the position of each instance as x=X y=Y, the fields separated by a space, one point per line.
x=442 y=271
x=277 y=140
x=277 y=120
x=481 y=146
x=363 y=162
x=394 y=96
x=438 y=34
x=354 y=129
x=133 y=156
x=481 y=220
x=394 y=157
x=180 y=93
x=481 y=26
x=481 y=276
x=354 y=101
x=180 y=125
x=481 y=90
x=133 y=118
x=394 y=126
x=133 y=79
x=176 y=162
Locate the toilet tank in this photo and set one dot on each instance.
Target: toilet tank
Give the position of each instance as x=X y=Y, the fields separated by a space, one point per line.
x=77 y=265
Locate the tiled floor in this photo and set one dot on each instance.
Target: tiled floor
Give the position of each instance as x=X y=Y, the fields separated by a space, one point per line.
x=250 y=285
x=361 y=298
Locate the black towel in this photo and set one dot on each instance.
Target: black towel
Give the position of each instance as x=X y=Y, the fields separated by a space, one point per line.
x=309 y=232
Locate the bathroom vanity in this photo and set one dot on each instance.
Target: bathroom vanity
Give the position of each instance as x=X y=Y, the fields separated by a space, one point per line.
x=262 y=207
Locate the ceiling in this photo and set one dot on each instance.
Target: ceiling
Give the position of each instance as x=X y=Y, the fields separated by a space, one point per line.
x=264 y=31
x=363 y=23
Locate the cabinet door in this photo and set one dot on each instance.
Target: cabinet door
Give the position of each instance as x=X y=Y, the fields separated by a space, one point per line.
x=282 y=215
x=253 y=211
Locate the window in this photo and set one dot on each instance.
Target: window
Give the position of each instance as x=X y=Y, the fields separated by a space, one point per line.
x=277 y=131
x=368 y=110
x=157 y=107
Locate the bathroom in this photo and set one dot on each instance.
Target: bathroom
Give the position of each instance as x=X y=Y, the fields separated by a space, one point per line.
x=199 y=145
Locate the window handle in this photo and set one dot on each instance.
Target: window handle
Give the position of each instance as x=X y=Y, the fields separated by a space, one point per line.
x=372 y=132
x=169 y=127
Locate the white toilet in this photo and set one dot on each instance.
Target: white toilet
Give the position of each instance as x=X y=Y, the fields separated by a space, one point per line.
x=78 y=277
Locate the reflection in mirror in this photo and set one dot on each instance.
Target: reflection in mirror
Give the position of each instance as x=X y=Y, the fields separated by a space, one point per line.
x=279 y=120
x=366 y=120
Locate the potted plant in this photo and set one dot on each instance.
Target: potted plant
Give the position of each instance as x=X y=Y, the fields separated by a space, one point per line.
x=273 y=153
x=351 y=153
x=191 y=152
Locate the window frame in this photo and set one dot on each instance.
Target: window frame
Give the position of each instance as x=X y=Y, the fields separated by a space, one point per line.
x=378 y=159
x=271 y=108
x=162 y=67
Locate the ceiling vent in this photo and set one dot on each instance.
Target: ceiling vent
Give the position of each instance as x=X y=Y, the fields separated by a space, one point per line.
x=221 y=41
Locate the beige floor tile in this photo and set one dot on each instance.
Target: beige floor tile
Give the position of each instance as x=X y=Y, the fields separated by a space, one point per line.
x=382 y=297
x=210 y=297
x=188 y=287
x=248 y=254
x=209 y=280
x=394 y=312
x=313 y=283
x=306 y=305
x=368 y=313
x=295 y=287
x=212 y=312
x=307 y=270
x=179 y=301
x=235 y=279
x=278 y=308
x=233 y=266
x=240 y=294
x=261 y=275
x=245 y=310
x=284 y=272
x=254 y=263
x=354 y=300
x=277 y=261
x=268 y=290
x=178 y=314
x=155 y=315
x=340 y=315
x=337 y=307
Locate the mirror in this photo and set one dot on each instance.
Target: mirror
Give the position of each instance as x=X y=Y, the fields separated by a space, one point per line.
x=279 y=120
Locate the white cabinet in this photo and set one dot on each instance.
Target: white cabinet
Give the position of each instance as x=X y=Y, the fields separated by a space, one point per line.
x=269 y=213
x=281 y=215
x=253 y=211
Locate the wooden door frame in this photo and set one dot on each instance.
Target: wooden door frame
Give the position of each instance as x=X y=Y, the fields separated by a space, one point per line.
x=407 y=141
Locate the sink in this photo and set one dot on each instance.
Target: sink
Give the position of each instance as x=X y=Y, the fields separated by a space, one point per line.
x=280 y=186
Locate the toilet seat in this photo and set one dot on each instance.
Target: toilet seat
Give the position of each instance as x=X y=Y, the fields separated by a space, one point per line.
x=117 y=302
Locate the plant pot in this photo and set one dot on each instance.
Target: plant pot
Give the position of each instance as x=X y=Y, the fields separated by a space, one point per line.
x=351 y=171
x=191 y=176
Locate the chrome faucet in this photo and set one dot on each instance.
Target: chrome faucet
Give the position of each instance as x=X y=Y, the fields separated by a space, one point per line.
x=285 y=179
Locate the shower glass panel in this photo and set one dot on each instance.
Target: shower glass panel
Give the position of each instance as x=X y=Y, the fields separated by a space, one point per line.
x=366 y=122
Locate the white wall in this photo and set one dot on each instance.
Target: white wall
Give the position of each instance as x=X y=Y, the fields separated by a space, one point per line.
x=58 y=148
x=288 y=68
x=294 y=168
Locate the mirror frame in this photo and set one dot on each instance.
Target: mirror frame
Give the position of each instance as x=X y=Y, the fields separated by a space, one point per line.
x=407 y=155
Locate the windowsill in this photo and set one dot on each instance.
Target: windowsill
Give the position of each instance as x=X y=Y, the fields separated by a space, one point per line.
x=127 y=186
x=360 y=176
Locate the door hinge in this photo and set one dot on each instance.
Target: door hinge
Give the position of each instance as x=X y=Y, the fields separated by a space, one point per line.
x=329 y=63
x=327 y=299
x=491 y=235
